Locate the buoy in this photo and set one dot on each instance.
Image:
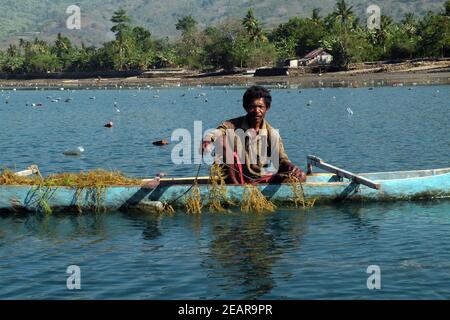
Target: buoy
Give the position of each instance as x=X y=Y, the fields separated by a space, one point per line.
x=109 y=125
x=78 y=152
x=161 y=143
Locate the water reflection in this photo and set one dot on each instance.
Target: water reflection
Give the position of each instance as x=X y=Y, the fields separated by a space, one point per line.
x=150 y=224
x=357 y=214
x=245 y=249
x=61 y=227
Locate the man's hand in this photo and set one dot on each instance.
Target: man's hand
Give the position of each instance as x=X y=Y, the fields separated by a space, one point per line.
x=206 y=145
x=299 y=173
x=290 y=168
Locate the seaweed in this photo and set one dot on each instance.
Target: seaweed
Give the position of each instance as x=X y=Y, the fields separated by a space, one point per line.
x=254 y=201
x=194 y=203
x=299 y=193
x=217 y=195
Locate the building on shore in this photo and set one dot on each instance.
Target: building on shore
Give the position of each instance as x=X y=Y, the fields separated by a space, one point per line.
x=316 y=57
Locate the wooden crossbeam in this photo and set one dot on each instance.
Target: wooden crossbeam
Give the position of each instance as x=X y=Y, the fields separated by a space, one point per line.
x=319 y=163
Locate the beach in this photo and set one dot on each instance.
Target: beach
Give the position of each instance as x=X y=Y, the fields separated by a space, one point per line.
x=429 y=75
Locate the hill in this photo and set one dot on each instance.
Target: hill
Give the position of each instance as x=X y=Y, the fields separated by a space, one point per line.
x=45 y=18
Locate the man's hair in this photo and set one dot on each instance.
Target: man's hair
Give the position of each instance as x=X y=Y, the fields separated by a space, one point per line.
x=256 y=92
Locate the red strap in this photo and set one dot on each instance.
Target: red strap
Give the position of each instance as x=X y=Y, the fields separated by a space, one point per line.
x=239 y=166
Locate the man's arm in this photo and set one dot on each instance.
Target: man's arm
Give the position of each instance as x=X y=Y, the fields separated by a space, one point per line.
x=285 y=165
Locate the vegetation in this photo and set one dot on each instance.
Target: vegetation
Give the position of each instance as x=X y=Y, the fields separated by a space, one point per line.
x=91 y=185
x=236 y=43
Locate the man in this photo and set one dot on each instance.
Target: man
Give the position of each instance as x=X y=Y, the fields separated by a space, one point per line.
x=244 y=144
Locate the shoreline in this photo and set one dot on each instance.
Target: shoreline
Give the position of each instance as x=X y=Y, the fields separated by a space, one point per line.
x=355 y=79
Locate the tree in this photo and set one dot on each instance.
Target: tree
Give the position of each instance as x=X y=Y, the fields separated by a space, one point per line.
x=315 y=16
x=343 y=13
x=434 y=33
x=63 y=49
x=13 y=61
x=121 y=20
x=409 y=23
x=298 y=36
x=190 y=47
x=253 y=28
x=187 y=25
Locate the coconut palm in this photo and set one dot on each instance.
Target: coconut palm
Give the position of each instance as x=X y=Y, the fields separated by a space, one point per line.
x=253 y=28
x=343 y=13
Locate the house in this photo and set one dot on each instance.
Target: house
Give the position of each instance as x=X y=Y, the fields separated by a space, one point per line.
x=316 y=57
x=291 y=63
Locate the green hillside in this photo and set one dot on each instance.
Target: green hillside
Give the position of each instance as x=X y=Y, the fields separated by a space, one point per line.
x=27 y=18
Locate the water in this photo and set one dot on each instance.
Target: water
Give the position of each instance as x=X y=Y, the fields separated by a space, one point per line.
x=292 y=254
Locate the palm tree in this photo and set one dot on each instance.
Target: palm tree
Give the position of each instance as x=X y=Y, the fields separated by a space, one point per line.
x=343 y=12
x=121 y=21
x=315 y=15
x=409 y=23
x=385 y=31
x=251 y=25
x=187 y=25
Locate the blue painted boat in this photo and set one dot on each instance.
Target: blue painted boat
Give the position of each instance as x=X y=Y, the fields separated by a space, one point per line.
x=323 y=187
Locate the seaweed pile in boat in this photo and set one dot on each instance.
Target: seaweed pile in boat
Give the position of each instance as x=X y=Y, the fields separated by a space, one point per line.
x=82 y=179
x=93 y=183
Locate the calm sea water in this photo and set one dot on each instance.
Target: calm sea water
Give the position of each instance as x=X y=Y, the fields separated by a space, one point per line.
x=291 y=254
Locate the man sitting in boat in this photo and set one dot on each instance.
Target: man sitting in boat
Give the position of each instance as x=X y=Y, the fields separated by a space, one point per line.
x=244 y=146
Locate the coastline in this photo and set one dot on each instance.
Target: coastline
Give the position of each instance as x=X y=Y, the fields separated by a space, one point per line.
x=359 y=78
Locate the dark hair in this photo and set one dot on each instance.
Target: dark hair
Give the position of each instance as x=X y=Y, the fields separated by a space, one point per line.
x=256 y=92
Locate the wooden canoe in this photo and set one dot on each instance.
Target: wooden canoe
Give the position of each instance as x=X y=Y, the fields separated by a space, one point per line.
x=323 y=187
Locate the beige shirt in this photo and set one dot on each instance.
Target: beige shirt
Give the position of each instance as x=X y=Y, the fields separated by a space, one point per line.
x=259 y=148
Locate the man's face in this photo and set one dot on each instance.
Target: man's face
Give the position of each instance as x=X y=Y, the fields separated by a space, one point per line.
x=257 y=109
